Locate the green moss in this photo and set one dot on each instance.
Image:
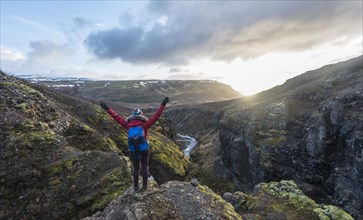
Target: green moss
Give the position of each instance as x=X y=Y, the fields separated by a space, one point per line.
x=245 y=202
x=123 y=137
x=32 y=91
x=301 y=202
x=41 y=137
x=328 y=212
x=152 y=184
x=23 y=107
x=54 y=181
x=216 y=201
x=27 y=89
x=28 y=125
x=288 y=192
x=87 y=128
x=99 y=117
x=277 y=207
x=111 y=186
x=7 y=84
x=168 y=154
x=83 y=137
x=273 y=141
x=111 y=144
x=30 y=128
x=122 y=140
x=24 y=88
x=64 y=172
x=62 y=166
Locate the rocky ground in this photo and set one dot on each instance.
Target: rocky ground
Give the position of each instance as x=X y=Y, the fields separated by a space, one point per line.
x=172 y=200
x=190 y=200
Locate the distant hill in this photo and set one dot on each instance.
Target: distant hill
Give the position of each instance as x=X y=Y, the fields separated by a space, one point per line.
x=310 y=129
x=148 y=93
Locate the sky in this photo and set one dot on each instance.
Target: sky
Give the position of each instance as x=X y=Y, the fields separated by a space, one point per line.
x=250 y=45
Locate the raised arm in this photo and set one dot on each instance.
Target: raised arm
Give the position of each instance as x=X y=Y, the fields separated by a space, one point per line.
x=115 y=116
x=157 y=114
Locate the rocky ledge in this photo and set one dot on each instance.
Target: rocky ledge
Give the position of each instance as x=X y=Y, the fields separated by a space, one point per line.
x=191 y=200
x=172 y=200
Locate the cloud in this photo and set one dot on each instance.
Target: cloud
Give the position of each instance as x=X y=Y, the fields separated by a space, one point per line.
x=45 y=54
x=126 y=19
x=184 y=77
x=11 y=60
x=182 y=31
x=77 y=30
x=80 y=22
x=110 y=44
x=10 y=55
x=178 y=70
x=177 y=73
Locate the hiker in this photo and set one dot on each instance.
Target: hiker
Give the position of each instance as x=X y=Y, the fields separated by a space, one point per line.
x=137 y=125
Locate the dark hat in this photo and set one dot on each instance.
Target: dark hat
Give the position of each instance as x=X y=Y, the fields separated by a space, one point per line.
x=137 y=111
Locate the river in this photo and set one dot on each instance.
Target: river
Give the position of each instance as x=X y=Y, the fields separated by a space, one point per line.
x=188 y=141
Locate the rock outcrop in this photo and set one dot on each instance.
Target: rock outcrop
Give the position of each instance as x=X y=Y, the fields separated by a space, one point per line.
x=309 y=129
x=282 y=200
x=64 y=158
x=172 y=200
x=190 y=200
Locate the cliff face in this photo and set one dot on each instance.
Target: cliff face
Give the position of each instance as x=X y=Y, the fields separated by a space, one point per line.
x=65 y=158
x=309 y=129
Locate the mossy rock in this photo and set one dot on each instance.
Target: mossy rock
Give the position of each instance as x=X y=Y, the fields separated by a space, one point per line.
x=172 y=200
x=167 y=162
x=111 y=186
x=217 y=202
x=58 y=165
x=99 y=117
x=284 y=200
x=91 y=186
x=329 y=212
x=83 y=137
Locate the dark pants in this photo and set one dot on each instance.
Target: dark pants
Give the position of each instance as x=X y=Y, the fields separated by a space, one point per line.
x=144 y=169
